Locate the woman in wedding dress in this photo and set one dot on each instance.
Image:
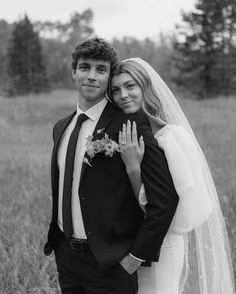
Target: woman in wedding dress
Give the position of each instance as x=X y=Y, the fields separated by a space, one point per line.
x=195 y=254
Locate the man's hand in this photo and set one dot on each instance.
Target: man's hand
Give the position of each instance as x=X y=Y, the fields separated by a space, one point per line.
x=130 y=264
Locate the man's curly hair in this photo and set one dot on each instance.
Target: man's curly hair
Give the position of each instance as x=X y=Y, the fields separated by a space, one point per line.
x=95 y=48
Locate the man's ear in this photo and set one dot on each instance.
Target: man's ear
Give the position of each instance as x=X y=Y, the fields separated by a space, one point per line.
x=73 y=74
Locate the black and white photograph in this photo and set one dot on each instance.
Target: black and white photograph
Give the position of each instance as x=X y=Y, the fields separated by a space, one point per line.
x=117 y=147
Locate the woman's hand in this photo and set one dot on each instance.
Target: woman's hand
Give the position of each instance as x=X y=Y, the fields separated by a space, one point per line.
x=131 y=148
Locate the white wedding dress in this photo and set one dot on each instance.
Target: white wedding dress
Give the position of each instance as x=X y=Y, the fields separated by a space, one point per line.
x=194 y=207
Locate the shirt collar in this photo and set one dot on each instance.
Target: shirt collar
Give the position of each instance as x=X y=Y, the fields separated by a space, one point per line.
x=94 y=112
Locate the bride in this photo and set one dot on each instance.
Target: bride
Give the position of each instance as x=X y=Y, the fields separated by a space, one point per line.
x=195 y=255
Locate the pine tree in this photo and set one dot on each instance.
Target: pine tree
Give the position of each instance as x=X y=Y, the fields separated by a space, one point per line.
x=25 y=66
x=203 y=56
x=5 y=34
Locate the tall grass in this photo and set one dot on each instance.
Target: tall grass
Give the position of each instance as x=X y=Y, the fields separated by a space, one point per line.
x=25 y=201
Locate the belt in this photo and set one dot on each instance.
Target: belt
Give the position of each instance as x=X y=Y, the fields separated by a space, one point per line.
x=79 y=244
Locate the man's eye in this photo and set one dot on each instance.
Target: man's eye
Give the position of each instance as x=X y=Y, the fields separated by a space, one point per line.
x=83 y=67
x=102 y=69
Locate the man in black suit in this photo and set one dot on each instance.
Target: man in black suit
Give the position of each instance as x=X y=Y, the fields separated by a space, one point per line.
x=98 y=231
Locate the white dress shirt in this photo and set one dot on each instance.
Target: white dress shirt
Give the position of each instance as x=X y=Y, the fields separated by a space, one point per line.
x=86 y=130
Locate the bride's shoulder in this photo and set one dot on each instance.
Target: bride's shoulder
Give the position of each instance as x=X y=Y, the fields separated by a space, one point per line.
x=170 y=129
x=172 y=135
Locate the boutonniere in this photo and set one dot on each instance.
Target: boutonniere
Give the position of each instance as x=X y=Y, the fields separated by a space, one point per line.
x=105 y=145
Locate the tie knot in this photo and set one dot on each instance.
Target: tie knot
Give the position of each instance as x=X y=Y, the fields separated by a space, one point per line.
x=81 y=118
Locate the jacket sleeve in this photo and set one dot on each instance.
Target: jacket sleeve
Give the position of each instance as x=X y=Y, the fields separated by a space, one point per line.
x=162 y=198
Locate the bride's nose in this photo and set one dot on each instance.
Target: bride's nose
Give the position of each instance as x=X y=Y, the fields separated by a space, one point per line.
x=123 y=93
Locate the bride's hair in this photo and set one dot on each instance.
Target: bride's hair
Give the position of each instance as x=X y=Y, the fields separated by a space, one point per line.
x=150 y=102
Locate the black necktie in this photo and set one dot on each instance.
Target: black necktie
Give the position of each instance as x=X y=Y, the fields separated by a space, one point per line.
x=68 y=177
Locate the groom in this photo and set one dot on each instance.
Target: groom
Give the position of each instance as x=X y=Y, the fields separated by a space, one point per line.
x=98 y=231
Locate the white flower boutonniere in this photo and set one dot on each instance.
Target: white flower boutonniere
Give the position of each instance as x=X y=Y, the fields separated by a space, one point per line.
x=104 y=145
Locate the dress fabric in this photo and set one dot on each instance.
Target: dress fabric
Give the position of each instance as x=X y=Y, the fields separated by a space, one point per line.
x=194 y=207
x=163 y=276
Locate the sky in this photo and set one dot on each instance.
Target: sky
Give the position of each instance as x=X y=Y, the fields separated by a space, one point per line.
x=112 y=18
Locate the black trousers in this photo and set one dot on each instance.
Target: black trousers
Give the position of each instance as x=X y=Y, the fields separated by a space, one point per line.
x=79 y=273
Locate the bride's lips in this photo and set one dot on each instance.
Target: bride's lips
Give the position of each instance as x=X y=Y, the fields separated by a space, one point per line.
x=126 y=103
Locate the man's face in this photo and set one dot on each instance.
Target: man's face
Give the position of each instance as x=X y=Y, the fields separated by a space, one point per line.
x=91 y=78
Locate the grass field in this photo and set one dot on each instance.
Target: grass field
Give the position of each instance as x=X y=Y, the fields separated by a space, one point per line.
x=25 y=146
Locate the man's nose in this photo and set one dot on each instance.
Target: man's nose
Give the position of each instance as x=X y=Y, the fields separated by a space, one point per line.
x=92 y=75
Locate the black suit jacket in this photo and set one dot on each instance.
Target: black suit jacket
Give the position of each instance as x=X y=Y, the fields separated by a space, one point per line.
x=114 y=222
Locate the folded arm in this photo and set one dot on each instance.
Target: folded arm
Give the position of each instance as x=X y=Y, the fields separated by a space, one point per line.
x=162 y=198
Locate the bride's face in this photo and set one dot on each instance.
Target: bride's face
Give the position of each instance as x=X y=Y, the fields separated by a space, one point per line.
x=126 y=93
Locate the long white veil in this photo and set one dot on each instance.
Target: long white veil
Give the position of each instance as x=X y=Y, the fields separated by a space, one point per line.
x=208 y=264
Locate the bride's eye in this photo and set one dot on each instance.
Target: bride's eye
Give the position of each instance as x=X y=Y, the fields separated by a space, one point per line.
x=131 y=86
x=114 y=91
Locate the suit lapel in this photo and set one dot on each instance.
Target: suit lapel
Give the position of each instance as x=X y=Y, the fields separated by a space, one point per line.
x=103 y=122
x=58 y=135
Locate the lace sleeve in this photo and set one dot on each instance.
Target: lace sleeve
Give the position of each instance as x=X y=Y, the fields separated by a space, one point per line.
x=194 y=202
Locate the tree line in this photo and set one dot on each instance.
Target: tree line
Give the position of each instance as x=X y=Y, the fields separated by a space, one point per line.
x=199 y=57
x=206 y=58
